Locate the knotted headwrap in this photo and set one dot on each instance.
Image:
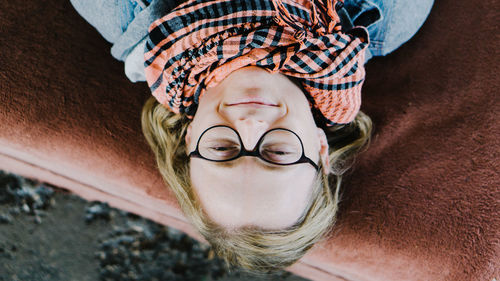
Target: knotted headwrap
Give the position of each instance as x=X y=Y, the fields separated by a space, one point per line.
x=201 y=42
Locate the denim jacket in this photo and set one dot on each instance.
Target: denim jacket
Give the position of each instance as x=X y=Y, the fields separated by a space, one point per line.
x=125 y=23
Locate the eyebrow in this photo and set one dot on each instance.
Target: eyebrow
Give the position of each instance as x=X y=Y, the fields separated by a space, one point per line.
x=265 y=165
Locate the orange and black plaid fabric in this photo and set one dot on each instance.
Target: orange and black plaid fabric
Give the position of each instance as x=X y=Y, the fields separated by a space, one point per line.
x=201 y=42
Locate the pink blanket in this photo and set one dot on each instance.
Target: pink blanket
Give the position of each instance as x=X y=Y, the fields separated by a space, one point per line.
x=423 y=203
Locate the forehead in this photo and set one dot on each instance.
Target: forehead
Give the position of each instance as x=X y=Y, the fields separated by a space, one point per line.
x=247 y=195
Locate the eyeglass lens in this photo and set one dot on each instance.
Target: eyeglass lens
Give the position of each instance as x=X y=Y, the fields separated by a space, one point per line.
x=277 y=146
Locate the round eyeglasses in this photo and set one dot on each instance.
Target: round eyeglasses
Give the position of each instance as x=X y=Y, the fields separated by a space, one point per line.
x=278 y=146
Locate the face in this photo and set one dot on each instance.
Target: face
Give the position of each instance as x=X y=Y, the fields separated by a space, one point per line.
x=248 y=191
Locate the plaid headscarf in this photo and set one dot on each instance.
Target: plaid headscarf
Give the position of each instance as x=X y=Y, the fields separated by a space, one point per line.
x=201 y=42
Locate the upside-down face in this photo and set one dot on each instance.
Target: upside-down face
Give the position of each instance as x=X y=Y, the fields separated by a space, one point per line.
x=249 y=191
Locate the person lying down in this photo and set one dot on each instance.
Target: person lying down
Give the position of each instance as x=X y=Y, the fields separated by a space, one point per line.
x=255 y=108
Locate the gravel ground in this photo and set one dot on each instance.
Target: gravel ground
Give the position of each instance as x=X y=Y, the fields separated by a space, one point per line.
x=49 y=234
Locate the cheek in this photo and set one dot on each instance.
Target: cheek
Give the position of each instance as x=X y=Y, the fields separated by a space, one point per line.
x=204 y=118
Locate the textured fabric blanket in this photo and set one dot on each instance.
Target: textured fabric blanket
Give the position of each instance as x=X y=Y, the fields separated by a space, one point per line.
x=423 y=202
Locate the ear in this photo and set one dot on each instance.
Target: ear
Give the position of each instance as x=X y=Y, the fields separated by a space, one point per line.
x=323 y=152
x=187 y=138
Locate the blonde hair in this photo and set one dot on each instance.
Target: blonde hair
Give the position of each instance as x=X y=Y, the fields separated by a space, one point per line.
x=253 y=248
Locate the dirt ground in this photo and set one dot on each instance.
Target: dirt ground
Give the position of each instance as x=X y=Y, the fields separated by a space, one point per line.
x=47 y=233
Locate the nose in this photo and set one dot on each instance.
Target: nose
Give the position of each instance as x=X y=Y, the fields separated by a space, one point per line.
x=250 y=130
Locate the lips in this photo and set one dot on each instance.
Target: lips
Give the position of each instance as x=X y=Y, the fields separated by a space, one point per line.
x=252 y=101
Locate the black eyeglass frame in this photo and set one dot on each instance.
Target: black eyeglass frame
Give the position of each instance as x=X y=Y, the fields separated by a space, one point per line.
x=255 y=152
